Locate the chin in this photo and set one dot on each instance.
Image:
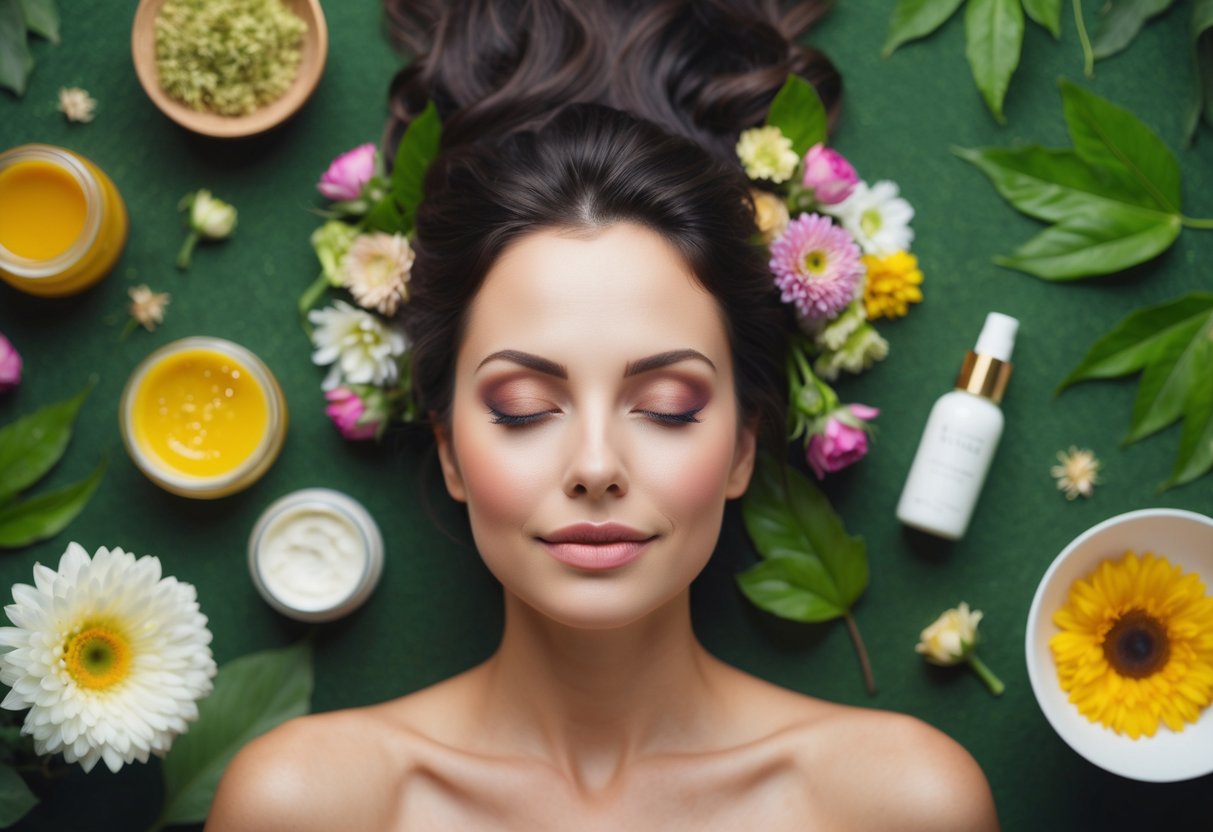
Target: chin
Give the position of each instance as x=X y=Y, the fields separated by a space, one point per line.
x=603 y=607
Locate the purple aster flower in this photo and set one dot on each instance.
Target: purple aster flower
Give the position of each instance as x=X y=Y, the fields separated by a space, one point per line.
x=816 y=266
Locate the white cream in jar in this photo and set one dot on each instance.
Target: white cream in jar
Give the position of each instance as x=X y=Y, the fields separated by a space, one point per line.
x=315 y=554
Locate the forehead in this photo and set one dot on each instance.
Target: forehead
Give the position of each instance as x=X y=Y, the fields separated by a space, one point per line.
x=624 y=289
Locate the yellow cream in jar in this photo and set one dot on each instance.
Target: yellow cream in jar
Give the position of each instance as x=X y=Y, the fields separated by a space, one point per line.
x=200 y=413
x=63 y=223
x=203 y=417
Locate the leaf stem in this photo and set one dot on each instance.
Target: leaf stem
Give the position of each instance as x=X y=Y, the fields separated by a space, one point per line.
x=992 y=682
x=1088 y=57
x=183 y=256
x=869 y=681
x=1190 y=222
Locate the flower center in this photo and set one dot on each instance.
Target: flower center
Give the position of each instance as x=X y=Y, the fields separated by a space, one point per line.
x=1137 y=645
x=97 y=657
x=870 y=221
x=815 y=261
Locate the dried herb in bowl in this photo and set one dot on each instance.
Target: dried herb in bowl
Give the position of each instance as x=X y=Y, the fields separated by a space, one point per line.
x=227 y=56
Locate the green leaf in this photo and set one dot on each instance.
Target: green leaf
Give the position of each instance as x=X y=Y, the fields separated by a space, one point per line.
x=418 y=147
x=819 y=569
x=1114 y=198
x=37 y=518
x=792 y=587
x=1120 y=21
x=42 y=18
x=1046 y=13
x=993 y=39
x=31 y=446
x=1172 y=344
x=15 y=797
x=1051 y=185
x=385 y=215
x=16 y=62
x=1201 y=100
x=1113 y=140
x=252 y=694
x=1088 y=245
x=799 y=114
x=913 y=19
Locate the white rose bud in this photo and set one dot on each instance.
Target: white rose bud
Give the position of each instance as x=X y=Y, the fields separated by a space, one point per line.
x=209 y=219
x=951 y=638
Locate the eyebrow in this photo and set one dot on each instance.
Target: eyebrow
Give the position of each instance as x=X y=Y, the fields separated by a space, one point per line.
x=633 y=368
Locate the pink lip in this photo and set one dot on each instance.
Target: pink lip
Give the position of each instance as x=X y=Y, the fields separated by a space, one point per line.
x=596 y=547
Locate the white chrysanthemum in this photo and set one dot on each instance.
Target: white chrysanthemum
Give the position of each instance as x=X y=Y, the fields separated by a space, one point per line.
x=109 y=657
x=361 y=348
x=876 y=217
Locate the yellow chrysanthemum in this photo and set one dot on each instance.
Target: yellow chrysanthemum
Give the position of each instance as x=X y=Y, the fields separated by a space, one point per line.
x=892 y=285
x=1136 y=645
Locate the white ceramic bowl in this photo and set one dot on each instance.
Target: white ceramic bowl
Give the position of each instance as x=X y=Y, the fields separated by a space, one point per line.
x=1184 y=538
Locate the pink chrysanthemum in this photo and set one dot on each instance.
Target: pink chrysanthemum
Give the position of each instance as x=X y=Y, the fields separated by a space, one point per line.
x=816 y=266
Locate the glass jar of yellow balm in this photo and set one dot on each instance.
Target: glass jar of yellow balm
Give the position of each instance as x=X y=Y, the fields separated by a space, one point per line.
x=203 y=417
x=62 y=221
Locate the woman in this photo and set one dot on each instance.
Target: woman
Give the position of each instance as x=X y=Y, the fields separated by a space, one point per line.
x=597 y=344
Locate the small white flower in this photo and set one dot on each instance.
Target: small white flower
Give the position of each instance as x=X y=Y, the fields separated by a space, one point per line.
x=951 y=638
x=76 y=104
x=376 y=271
x=876 y=217
x=766 y=153
x=147 y=307
x=1078 y=473
x=213 y=218
x=109 y=657
x=361 y=348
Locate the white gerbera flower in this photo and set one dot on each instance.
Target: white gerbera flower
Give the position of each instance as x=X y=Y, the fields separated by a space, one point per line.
x=109 y=657
x=361 y=347
x=877 y=218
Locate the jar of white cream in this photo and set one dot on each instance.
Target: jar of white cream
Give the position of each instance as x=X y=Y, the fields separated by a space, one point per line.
x=315 y=554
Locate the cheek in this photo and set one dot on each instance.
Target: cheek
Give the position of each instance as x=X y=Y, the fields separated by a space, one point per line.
x=503 y=480
x=691 y=476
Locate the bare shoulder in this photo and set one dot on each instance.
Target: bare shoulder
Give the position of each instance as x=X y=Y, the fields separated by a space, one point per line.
x=322 y=771
x=890 y=771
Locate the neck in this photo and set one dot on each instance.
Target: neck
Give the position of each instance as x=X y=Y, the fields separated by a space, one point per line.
x=591 y=702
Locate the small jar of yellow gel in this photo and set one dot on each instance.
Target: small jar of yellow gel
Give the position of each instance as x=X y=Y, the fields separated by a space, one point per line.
x=62 y=222
x=203 y=417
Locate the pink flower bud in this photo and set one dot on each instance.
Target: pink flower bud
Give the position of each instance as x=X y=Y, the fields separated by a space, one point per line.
x=348 y=174
x=829 y=175
x=10 y=365
x=842 y=441
x=345 y=408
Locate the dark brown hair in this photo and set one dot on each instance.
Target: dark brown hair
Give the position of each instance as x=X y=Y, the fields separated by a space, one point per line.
x=577 y=114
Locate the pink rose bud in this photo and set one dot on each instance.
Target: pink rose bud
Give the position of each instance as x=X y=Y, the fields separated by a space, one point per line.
x=843 y=441
x=348 y=174
x=10 y=365
x=829 y=175
x=345 y=408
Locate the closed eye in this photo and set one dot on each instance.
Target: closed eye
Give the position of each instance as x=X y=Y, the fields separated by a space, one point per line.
x=685 y=418
x=517 y=419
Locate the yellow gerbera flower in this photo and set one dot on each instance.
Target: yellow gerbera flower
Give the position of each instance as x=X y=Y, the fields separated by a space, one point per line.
x=1136 y=645
x=893 y=284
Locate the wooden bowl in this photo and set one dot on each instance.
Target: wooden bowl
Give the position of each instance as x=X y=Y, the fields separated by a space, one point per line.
x=311 y=66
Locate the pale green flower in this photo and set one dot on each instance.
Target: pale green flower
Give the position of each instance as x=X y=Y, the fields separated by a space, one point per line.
x=331 y=241
x=863 y=348
x=766 y=153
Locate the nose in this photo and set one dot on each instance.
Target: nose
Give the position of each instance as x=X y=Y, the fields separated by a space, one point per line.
x=596 y=466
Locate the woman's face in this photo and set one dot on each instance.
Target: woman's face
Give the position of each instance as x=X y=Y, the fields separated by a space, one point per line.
x=594 y=427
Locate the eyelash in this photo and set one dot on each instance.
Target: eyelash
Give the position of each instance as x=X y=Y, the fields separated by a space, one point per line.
x=673 y=419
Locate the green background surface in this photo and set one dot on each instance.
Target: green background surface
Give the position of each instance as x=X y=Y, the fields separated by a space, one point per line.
x=437 y=610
